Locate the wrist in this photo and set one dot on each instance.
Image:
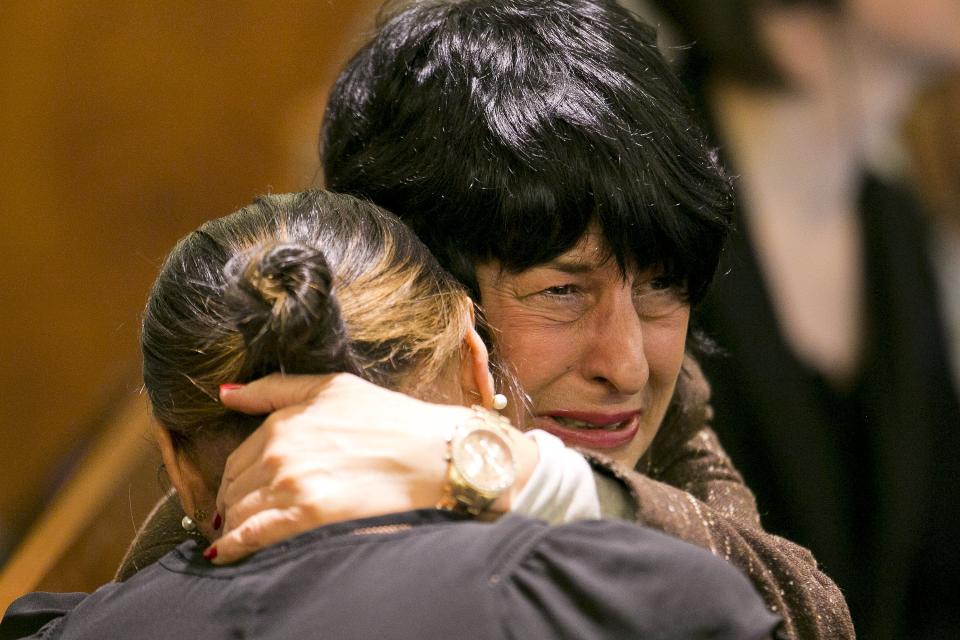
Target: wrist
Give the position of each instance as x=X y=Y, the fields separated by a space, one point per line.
x=486 y=459
x=526 y=455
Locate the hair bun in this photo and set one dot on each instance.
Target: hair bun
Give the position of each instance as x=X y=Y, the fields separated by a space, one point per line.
x=280 y=297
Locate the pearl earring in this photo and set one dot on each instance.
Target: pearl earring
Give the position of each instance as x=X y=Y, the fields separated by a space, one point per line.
x=499 y=402
x=188 y=524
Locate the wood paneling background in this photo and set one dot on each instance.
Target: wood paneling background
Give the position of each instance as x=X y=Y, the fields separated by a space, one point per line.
x=123 y=125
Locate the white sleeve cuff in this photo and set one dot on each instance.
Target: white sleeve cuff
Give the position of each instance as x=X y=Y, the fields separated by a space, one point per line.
x=561 y=487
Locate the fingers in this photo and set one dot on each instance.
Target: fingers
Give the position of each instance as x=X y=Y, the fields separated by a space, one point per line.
x=250 y=453
x=259 y=531
x=273 y=392
x=235 y=490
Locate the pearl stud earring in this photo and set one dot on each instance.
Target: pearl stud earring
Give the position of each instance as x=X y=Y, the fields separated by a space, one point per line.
x=499 y=402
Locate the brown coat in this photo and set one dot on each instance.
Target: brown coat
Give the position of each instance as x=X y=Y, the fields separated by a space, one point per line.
x=685 y=486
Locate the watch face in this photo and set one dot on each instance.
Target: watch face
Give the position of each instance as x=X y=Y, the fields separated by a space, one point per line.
x=484 y=460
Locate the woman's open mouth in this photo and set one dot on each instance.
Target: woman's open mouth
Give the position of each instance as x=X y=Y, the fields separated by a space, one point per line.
x=591 y=430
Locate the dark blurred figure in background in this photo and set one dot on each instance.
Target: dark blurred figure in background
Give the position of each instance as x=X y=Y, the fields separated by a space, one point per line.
x=933 y=137
x=833 y=391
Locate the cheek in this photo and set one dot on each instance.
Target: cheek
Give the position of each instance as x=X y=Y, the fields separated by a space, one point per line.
x=665 y=344
x=537 y=356
x=538 y=352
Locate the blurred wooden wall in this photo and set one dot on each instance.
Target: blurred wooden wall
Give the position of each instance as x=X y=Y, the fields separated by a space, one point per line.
x=123 y=125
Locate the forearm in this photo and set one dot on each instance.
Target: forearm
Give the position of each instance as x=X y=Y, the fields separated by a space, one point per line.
x=561 y=487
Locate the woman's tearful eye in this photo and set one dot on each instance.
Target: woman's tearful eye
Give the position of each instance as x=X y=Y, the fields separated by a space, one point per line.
x=559 y=303
x=658 y=297
x=661 y=283
x=560 y=290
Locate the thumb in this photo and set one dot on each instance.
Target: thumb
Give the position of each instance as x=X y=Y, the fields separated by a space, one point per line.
x=273 y=392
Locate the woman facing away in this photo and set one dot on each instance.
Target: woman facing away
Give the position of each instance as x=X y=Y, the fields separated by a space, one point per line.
x=546 y=154
x=315 y=283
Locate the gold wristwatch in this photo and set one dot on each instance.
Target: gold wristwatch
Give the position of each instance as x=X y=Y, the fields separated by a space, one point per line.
x=480 y=464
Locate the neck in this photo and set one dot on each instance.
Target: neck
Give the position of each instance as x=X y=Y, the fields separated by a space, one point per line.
x=199 y=476
x=783 y=142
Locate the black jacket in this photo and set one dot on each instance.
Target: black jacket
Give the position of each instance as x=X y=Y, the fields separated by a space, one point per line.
x=422 y=574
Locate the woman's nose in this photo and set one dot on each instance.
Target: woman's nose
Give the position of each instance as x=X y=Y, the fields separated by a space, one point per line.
x=613 y=353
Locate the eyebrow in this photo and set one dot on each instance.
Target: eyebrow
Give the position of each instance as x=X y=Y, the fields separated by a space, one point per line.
x=573 y=265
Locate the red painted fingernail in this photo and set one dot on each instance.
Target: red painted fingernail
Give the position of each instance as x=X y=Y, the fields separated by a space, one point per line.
x=217 y=521
x=231 y=386
x=210 y=553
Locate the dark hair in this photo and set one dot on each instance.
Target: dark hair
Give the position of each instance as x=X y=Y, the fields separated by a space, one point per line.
x=724 y=38
x=501 y=129
x=312 y=282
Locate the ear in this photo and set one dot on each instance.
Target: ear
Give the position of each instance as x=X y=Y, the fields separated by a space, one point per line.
x=183 y=474
x=475 y=377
